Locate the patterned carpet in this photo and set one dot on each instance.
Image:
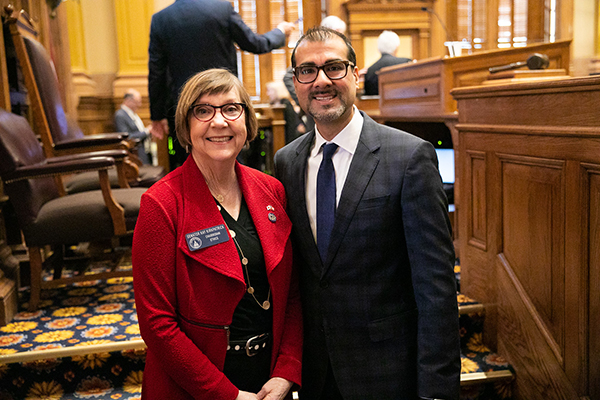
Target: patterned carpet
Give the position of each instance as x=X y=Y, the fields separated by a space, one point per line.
x=91 y=334
x=91 y=331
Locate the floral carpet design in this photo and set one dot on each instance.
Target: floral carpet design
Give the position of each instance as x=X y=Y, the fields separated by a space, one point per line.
x=98 y=312
x=81 y=314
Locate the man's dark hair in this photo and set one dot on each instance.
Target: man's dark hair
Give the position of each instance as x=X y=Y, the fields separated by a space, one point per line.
x=128 y=96
x=322 y=34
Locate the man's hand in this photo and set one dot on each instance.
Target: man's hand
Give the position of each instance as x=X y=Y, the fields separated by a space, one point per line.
x=274 y=389
x=159 y=129
x=246 y=396
x=286 y=27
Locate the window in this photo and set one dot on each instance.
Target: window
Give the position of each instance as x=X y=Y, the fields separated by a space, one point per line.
x=513 y=24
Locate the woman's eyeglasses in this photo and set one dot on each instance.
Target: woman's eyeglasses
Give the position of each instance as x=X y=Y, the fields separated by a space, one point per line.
x=334 y=70
x=206 y=112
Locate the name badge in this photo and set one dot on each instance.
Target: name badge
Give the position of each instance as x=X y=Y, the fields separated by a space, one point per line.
x=206 y=237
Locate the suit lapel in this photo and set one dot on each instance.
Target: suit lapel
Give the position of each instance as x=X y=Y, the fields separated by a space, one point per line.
x=364 y=163
x=200 y=212
x=296 y=192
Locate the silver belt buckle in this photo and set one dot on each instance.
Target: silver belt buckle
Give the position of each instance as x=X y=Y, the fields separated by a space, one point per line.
x=249 y=345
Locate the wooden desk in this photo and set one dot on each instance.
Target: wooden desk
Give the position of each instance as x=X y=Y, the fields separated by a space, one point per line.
x=420 y=91
x=416 y=96
x=529 y=228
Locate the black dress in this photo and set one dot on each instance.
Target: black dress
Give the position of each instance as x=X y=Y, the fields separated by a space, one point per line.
x=249 y=318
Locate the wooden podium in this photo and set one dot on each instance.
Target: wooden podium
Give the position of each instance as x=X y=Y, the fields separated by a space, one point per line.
x=416 y=96
x=529 y=228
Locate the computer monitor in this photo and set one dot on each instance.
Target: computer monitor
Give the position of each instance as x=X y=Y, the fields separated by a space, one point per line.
x=446 y=164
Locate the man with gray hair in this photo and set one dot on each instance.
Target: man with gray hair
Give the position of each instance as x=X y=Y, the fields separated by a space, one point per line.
x=387 y=44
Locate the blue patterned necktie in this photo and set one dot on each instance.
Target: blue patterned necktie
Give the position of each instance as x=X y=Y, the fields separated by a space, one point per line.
x=325 y=199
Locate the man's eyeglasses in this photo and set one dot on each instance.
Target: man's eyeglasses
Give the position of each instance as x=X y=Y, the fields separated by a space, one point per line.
x=334 y=70
x=206 y=112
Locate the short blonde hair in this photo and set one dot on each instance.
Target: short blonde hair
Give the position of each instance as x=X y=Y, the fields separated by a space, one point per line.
x=209 y=82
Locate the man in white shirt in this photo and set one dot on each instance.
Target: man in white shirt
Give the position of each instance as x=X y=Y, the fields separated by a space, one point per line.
x=372 y=243
x=127 y=120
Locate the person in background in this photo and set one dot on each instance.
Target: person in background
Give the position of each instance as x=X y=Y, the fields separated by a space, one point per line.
x=217 y=300
x=335 y=23
x=127 y=120
x=372 y=241
x=387 y=44
x=278 y=95
x=190 y=36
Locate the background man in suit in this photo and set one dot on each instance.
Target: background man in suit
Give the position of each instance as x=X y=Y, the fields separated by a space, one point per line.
x=379 y=297
x=127 y=120
x=191 y=36
x=387 y=44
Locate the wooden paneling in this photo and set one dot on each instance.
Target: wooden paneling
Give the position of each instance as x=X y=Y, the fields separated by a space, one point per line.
x=592 y=227
x=530 y=233
x=532 y=228
x=477 y=201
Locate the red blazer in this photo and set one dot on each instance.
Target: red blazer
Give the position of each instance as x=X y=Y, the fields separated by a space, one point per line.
x=184 y=298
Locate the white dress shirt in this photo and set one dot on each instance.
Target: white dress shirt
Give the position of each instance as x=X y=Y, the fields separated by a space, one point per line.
x=136 y=118
x=347 y=140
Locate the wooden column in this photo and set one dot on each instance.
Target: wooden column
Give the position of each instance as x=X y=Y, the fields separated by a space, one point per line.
x=83 y=85
x=263 y=25
x=133 y=36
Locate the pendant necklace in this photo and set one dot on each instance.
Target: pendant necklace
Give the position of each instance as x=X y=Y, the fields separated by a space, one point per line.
x=265 y=305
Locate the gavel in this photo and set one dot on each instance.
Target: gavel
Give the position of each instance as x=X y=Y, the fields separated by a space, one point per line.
x=534 y=61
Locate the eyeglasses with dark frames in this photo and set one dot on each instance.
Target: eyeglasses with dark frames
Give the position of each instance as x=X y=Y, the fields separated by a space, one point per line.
x=206 y=112
x=333 y=69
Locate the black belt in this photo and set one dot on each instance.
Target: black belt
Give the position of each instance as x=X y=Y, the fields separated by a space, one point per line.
x=251 y=347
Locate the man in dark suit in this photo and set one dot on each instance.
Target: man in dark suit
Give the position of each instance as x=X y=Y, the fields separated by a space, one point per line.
x=127 y=120
x=387 y=44
x=191 y=36
x=376 y=269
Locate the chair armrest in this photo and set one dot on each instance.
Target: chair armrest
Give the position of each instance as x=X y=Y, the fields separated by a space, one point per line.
x=116 y=154
x=59 y=168
x=91 y=141
x=120 y=157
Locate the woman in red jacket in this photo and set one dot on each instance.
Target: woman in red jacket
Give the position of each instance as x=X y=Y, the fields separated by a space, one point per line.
x=217 y=300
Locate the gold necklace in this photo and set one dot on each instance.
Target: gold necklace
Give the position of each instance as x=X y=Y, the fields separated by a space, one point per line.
x=219 y=196
x=265 y=305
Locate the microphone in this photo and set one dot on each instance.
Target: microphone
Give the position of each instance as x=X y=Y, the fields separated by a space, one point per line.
x=432 y=11
x=534 y=61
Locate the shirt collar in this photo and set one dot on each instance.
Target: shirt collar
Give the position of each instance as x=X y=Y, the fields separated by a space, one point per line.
x=348 y=137
x=128 y=110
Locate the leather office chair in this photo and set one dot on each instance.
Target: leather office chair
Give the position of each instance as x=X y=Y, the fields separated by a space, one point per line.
x=49 y=220
x=59 y=134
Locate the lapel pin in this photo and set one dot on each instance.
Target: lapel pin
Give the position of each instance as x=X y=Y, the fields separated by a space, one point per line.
x=270 y=208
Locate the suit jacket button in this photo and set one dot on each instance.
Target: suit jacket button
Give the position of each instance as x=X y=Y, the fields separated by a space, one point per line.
x=324 y=284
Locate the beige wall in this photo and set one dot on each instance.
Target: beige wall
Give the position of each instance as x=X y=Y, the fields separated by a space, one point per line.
x=160 y=4
x=583 y=48
x=100 y=35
